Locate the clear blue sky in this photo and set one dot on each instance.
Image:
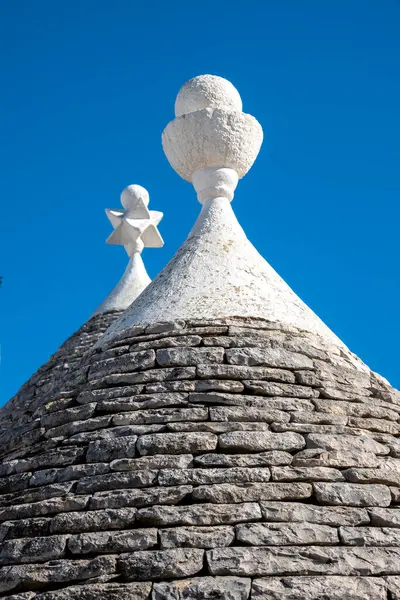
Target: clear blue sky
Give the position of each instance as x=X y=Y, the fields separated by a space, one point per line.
x=87 y=86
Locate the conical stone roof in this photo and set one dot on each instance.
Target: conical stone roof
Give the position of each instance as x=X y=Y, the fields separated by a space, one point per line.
x=141 y=232
x=220 y=457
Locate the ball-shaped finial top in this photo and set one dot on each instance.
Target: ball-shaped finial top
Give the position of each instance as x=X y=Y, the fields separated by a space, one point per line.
x=133 y=194
x=210 y=131
x=207 y=91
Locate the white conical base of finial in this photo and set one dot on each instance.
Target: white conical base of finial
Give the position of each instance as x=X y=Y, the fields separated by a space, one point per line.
x=133 y=282
x=135 y=228
x=217 y=273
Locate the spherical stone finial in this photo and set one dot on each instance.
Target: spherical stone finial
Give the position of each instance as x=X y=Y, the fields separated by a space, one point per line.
x=133 y=195
x=207 y=91
x=211 y=135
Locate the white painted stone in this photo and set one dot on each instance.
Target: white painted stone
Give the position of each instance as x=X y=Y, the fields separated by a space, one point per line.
x=213 y=182
x=207 y=91
x=212 y=137
x=131 y=285
x=135 y=228
x=217 y=273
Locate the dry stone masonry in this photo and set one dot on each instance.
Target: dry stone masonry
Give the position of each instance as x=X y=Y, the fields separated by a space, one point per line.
x=218 y=442
x=140 y=484
x=134 y=228
x=48 y=379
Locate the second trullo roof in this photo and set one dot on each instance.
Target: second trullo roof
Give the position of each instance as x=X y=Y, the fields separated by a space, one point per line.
x=135 y=228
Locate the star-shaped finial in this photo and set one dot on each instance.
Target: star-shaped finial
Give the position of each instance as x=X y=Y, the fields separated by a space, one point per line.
x=135 y=227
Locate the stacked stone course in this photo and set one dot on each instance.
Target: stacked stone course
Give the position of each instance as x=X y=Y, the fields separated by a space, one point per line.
x=45 y=383
x=230 y=459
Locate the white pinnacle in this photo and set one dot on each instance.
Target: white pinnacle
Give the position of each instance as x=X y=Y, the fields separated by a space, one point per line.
x=217 y=273
x=135 y=228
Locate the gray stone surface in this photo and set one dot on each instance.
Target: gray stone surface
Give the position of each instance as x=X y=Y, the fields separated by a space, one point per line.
x=71 y=473
x=393 y=584
x=317 y=418
x=168 y=342
x=308 y=378
x=334 y=516
x=160 y=387
x=263 y=459
x=196 y=537
x=219 y=426
x=159 y=461
x=352 y=494
x=149 y=376
x=318 y=457
x=370 y=536
x=264 y=402
x=70 y=429
x=58 y=571
x=186 y=357
x=385 y=517
x=160 y=564
x=247 y=413
x=208 y=476
x=60 y=458
x=381 y=475
x=348 y=443
x=268 y=388
x=306 y=428
x=161 y=415
x=395 y=492
x=30 y=528
x=113 y=433
x=286 y=534
x=112 y=481
x=204 y=588
x=244 y=372
x=319 y=588
x=15 y=483
x=100 y=591
x=218 y=385
x=252 y=492
x=77 y=522
x=60 y=417
x=126 y=363
x=313 y=560
x=388 y=462
x=176 y=443
x=306 y=474
x=375 y=425
x=30 y=550
x=356 y=409
x=269 y=357
x=166 y=327
x=107 y=542
x=116 y=393
x=198 y=514
x=139 y=497
x=272 y=452
x=260 y=441
x=45 y=507
x=394 y=445
x=140 y=402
